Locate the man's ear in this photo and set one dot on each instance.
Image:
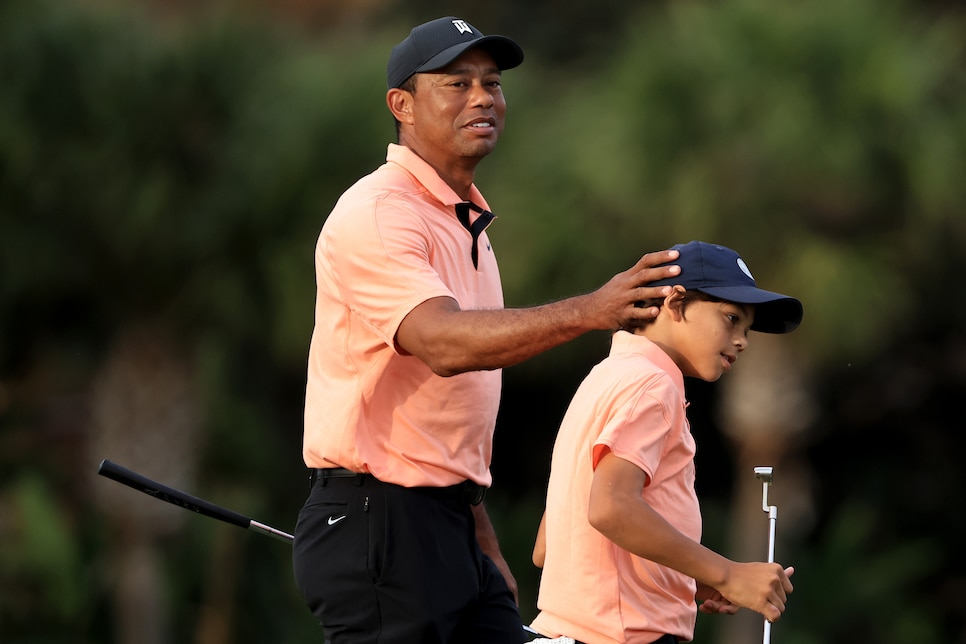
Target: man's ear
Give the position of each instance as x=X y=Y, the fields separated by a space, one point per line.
x=674 y=303
x=400 y=103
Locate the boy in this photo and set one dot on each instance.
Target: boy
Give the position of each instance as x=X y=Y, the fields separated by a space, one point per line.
x=622 y=529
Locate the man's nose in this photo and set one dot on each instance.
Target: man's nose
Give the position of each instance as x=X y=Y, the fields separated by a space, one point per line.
x=480 y=95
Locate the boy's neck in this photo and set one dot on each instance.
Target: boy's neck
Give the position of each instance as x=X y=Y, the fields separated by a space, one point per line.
x=656 y=335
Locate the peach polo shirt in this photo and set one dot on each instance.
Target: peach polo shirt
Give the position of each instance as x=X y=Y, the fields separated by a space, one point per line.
x=633 y=405
x=392 y=242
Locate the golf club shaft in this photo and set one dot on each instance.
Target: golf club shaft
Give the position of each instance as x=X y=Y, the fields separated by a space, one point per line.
x=772 y=520
x=765 y=475
x=141 y=483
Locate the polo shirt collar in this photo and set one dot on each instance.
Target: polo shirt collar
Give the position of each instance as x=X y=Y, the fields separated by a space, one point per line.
x=429 y=178
x=627 y=342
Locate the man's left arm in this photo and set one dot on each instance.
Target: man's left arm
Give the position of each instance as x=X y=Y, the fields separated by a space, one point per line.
x=486 y=537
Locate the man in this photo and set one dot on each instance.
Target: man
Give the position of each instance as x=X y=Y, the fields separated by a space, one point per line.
x=393 y=543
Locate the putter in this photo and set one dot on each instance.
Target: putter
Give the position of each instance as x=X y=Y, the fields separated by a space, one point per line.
x=176 y=497
x=765 y=474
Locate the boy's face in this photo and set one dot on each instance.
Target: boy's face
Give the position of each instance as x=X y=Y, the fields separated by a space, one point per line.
x=711 y=336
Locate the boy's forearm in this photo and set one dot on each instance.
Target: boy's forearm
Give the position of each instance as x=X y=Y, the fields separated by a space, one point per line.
x=647 y=534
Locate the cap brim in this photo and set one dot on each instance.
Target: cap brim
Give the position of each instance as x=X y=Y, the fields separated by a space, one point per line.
x=774 y=312
x=506 y=53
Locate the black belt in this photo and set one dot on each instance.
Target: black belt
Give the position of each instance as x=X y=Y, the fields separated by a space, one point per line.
x=335 y=473
x=664 y=639
x=465 y=492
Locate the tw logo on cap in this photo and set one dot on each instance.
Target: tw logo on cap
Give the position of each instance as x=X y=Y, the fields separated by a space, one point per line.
x=462 y=27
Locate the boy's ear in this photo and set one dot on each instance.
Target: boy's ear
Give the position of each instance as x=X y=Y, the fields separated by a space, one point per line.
x=674 y=303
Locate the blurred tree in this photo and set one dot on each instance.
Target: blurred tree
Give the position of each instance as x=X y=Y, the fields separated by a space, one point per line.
x=160 y=195
x=162 y=184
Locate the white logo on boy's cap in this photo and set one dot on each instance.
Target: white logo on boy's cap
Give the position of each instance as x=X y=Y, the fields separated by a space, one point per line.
x=744 y=268
x=462 y=27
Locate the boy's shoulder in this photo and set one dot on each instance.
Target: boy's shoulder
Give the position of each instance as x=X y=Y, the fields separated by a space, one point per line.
x=640 y=374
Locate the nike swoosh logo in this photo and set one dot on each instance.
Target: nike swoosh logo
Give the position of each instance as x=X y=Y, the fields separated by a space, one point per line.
x=334 y=520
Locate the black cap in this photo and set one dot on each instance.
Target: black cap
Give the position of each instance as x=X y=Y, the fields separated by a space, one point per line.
x=437 y=43
x=720 y=272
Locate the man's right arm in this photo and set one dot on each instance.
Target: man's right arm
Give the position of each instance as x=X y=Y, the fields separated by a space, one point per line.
x=452 y=341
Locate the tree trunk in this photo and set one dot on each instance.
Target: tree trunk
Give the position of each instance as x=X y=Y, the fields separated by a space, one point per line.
x=765 y=410
x=145 y=416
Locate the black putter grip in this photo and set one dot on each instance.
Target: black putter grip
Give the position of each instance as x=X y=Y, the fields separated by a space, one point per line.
x=169 y=494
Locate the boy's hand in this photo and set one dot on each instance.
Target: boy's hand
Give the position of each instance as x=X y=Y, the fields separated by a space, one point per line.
x=758 y=587
x=711 y=602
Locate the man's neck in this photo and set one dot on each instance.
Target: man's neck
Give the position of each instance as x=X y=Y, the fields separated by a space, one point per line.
x=457 y=172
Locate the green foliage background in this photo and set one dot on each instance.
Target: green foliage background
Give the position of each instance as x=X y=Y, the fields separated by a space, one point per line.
x=169 y=178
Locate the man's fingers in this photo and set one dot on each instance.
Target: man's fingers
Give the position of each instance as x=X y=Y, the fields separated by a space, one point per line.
x=658 y=257
x=656 y=266
x=648 y=274
x=650 y=293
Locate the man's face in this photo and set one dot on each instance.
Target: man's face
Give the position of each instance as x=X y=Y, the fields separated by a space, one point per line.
x=458 y=111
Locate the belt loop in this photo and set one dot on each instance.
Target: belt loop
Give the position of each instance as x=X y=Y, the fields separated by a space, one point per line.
x=473 y=493
x=316 y=475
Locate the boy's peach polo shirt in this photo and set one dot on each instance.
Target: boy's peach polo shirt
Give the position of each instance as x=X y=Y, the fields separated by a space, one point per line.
x=392 y=242
x=631 y=404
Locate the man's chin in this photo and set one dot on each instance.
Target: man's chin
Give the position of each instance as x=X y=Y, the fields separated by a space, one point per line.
x=479 y=149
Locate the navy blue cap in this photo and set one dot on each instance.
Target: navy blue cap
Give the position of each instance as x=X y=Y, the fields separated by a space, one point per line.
x=720 y=272
x=435 y=44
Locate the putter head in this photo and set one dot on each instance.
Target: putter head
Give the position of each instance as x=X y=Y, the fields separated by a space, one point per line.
x=764 y=474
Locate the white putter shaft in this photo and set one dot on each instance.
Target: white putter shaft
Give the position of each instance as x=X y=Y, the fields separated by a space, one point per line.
x=765 y=475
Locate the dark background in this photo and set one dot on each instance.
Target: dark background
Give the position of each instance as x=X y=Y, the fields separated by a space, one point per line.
x=165 y=168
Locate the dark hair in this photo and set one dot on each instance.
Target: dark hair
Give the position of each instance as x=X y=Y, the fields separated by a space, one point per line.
x=688 y=297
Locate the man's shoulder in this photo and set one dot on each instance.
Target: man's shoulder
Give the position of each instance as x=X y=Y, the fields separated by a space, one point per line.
x=388 y=181
x=388 y=196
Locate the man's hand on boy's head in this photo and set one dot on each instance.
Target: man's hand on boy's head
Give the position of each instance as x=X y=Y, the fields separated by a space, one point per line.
x=615 y=304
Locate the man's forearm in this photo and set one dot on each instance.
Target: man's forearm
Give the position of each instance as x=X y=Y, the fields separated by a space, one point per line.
x=452 y=341
x=460 y=341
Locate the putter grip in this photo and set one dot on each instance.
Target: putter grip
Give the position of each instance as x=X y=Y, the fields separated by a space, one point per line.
x=169 y=494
